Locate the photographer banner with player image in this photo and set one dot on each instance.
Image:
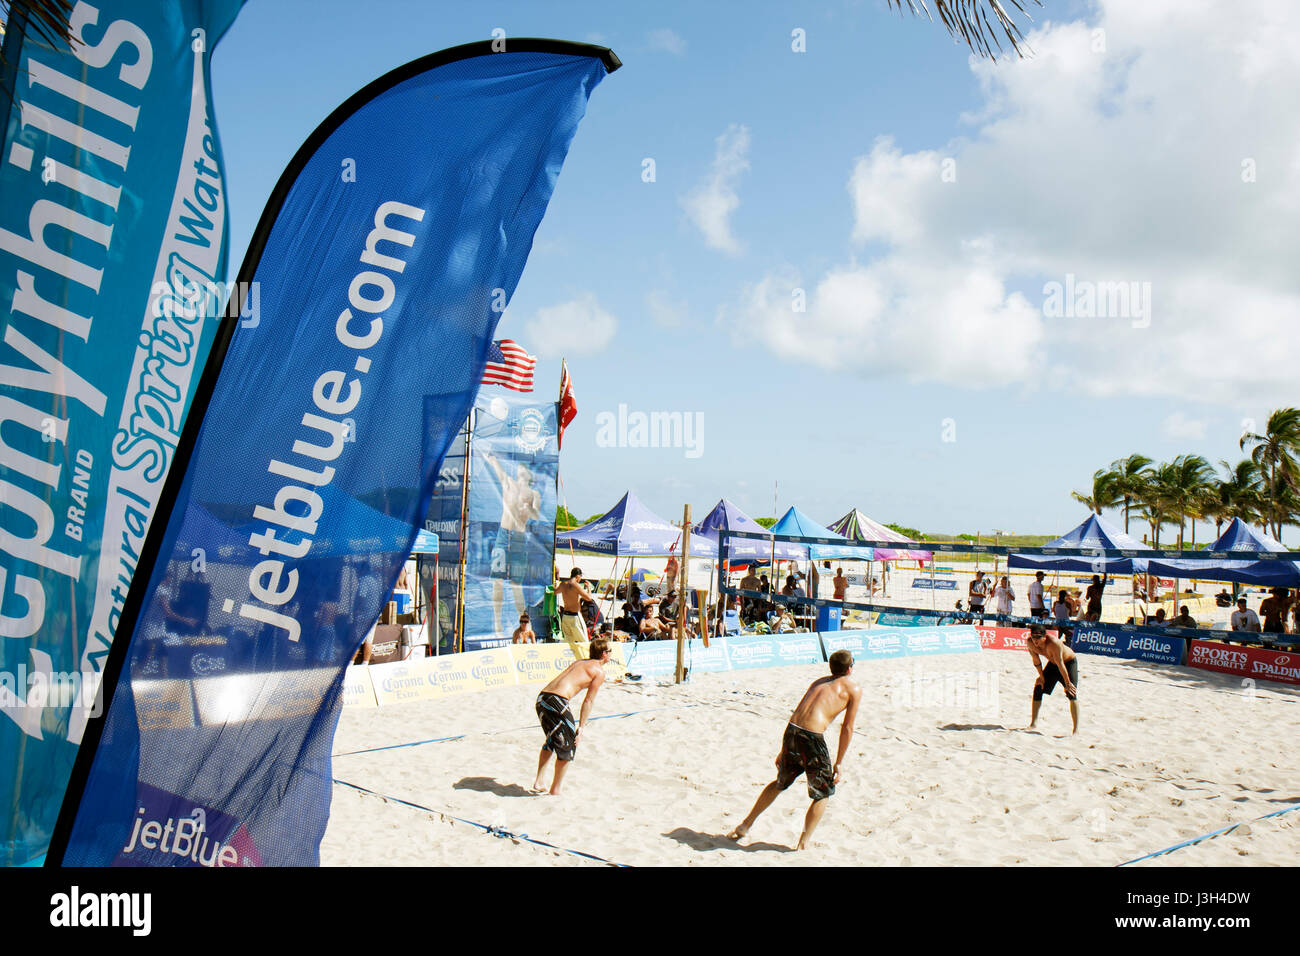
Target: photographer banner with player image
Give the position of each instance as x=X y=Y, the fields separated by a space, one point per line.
x=510 y=534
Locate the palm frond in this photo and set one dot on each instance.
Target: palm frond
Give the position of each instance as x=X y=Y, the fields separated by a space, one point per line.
x=45 y=20
x=969 y=20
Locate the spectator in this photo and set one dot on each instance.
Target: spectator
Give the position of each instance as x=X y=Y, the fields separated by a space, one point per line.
x=1244 y=619
x=1184 y=619
x=1004 y=597
x=976 y=594
x=1274 y=610
x=1037 y=608
x=1093 y=594
x=1061 y=612
x=524 y=633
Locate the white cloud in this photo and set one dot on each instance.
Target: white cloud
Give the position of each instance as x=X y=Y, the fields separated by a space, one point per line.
x=1178 y=427
x=665 y=311
x=666 y=41
x=710 y=205
x=574 y=328
x=1125 y=165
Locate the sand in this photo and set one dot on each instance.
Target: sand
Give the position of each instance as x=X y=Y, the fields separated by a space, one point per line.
x=940 y=771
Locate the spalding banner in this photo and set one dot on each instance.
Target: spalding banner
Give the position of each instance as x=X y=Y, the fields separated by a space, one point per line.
x=384 y=259
x=112 y=268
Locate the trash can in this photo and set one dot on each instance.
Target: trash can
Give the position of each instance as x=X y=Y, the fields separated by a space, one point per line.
x=828 y=618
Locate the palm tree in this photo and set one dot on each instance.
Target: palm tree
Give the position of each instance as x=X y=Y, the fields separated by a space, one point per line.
x=969 y=19
x=1274 y=452
x=1155 y=497
x=1185 y=485
x=1105 y=493
x=1236 y=496
x=1129 y=475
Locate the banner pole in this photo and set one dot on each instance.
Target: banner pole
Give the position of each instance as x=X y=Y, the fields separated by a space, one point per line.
x=681 y=594
x=458 y=639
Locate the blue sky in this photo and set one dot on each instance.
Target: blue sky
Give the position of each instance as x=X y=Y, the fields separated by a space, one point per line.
x=1111 y=156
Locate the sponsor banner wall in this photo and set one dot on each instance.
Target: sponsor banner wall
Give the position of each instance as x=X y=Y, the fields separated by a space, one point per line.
x=886 y=619
x=358 y=688
x=1255 y=662
x=1119 y=642
x=656 y=658
x=1002 y=638
x=884 y=643
x=433 y=678
x=773 y=650
x=938 y=584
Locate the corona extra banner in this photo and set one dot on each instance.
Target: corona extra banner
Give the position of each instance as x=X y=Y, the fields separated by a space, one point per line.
x=384 y=258
x=113 y=243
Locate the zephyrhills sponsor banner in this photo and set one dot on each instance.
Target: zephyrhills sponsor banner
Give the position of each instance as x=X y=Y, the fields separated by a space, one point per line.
x=1256 y=662
x=657 y=658
x=1119 y=642
x=112 y=271
x=875 y=644
x=773 y=650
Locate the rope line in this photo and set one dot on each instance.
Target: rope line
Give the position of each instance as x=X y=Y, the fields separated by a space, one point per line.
x=1208 y=836
x=501 y=832
x=508 y=730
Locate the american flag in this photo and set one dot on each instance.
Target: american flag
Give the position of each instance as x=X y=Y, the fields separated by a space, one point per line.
x=509 y=365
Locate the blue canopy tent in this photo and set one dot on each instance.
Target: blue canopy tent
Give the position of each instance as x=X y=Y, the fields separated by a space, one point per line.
x=795 y=521
x=1094 y=532
x=725 y=516
x=1238 y=536
x=630 y=529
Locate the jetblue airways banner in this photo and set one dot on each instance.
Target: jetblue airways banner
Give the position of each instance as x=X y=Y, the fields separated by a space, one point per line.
x=383 y=260
x=112 y=267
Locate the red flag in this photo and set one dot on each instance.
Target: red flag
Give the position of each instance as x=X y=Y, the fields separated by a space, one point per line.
x=568 y=404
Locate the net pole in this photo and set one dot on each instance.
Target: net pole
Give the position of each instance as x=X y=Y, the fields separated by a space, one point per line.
x=681 y=594
x=932 y=598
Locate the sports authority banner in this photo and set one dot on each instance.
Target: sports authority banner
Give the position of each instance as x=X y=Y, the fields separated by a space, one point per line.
x=112 y=271
x=1256 y=662
x=384 y=258
x=510 y=537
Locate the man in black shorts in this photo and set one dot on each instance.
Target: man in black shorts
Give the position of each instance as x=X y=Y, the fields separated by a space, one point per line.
x=562 y=732
x=803 y=746
x=1062 y=668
